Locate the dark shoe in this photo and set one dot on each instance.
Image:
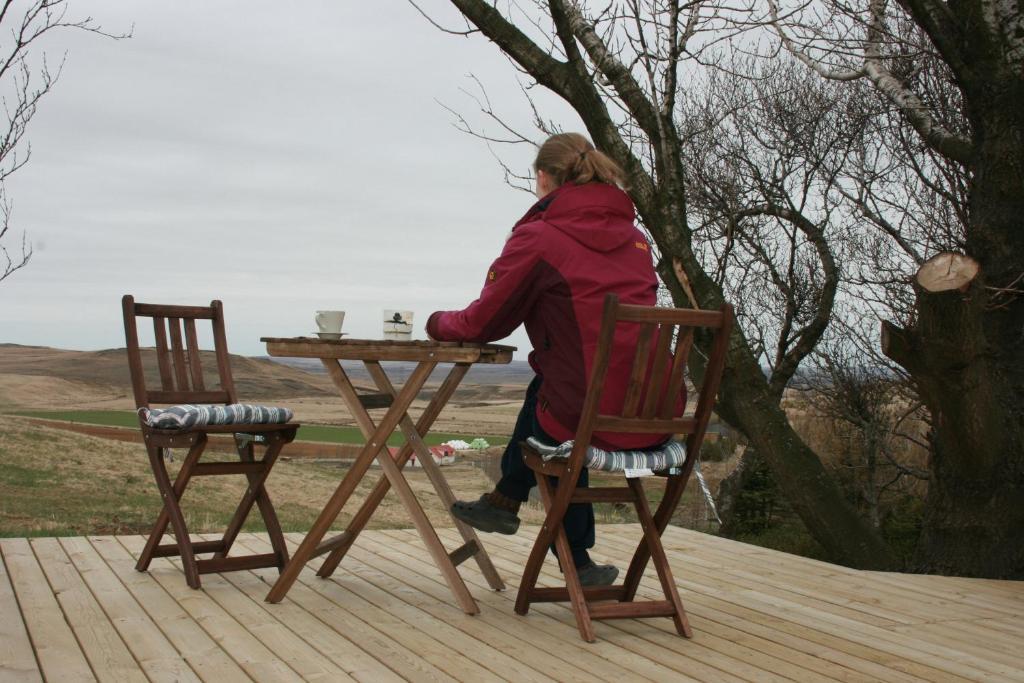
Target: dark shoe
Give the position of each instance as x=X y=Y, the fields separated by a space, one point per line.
x=482 y=515
x=597 y=574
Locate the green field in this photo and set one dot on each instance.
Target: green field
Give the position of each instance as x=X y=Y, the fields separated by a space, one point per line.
x=318 y=433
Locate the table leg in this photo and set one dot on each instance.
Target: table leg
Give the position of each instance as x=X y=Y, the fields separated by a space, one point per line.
x=393 y=473
x=362 y=517
x=414 y=436
x=375 y=443
x=429 y=536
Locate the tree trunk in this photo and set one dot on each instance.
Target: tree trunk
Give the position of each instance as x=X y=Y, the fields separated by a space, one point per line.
x=965 y=354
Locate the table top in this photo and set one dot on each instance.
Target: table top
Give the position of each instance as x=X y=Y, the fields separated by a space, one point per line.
x=380 y=349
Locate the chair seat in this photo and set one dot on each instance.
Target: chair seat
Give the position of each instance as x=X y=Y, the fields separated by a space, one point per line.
x=192 y=416
x=669 y=455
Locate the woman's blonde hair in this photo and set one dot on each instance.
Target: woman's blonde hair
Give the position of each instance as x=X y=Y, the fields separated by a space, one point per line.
x=570 y=158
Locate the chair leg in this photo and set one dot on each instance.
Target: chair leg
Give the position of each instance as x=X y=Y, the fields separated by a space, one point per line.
x=540 y=548
x=652 y=537
x=580 y=608
x=670 y=500
x=171 y=512
x=256 y=493
x=553 y=523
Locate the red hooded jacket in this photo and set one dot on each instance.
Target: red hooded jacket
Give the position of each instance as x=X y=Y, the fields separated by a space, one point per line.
x=571 y=248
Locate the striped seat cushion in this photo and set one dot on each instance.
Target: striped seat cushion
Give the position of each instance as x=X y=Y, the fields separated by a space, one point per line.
x=665 y=457
x=190 y=416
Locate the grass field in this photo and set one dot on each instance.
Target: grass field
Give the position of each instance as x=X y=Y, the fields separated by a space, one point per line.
x=318 y=433
x=59 y=483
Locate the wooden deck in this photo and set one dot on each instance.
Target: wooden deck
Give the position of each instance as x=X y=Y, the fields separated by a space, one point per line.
x=758 y=615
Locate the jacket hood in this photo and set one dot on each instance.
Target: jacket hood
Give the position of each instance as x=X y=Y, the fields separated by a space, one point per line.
x=596 y=215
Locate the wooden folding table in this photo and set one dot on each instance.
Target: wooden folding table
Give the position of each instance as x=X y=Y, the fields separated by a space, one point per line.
x=426 y=355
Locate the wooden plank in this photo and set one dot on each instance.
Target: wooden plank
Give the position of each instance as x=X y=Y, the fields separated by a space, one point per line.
x=410 y=653
x=194 y=363
x=255 y=658
x=555 y=645
x=174 y=396
x=886 y=605
x=198 y=648
x=163 y=355
x=901 y=653
x=151 y=310
x=678 y=316
x=987 y=646
x=17 y=660
x=612 y=423
x=263 y=624
x=155 y=655
x=651 y=638
x=843 y=659
x=59 y=655
x=757 y=614
x=867 y=664
x=178 y=355
x=478 y=639
x=340 y=646
x=363 y=349
x=492 y=662
x=102 y=645
x=373 y=634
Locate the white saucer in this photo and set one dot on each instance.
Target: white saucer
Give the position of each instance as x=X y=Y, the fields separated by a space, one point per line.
x=330 y=335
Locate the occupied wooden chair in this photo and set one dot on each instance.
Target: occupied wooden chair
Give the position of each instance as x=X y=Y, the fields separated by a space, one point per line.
x=653 y=400
x=196 y=413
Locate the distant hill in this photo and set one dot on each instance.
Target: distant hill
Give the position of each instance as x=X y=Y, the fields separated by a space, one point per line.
x=518 y=372
x=255 y=378
x=34 y=374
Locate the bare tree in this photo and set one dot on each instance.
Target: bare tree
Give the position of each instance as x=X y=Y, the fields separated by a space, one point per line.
x=873 y=421
x=622 y=68
x=26 y=76
x=954 y=75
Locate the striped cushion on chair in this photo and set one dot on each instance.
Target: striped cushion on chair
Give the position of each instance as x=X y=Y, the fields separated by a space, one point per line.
x=190 y=416
x=665 y=457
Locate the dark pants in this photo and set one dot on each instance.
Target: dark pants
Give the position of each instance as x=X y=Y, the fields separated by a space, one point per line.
x=517 y=479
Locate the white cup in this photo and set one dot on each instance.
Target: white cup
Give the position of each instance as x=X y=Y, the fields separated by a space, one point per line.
x=330 y=322
x=398 y=325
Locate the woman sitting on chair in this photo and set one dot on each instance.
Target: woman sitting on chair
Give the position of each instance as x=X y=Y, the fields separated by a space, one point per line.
x=575 y=245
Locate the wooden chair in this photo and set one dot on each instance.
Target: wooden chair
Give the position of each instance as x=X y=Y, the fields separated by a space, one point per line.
x=182 y=382
x=650 y=406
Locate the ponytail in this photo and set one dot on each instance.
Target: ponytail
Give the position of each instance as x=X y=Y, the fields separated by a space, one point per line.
x=570 y=158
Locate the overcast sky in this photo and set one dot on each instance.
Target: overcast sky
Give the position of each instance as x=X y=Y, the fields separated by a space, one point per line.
x=283 y=157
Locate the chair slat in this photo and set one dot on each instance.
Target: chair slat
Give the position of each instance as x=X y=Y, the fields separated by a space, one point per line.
x=167 y=397
x=656 y=378
x=162 y=311
x=677 y=374
x=194 y=362
x=162 y=355
x=178 y=354
x=220 y=343
x=640 y=425
x=672 y=316
x=636 y=378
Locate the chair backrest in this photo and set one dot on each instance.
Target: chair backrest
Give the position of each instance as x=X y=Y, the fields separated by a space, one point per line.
x=657 y=385
x=178 y=357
